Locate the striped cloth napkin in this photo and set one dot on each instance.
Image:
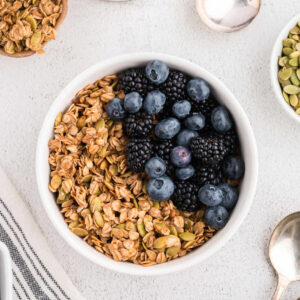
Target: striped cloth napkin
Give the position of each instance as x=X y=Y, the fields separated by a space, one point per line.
x=36 y=273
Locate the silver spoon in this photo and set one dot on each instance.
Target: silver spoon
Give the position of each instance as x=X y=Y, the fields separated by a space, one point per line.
x=284 y=252
x=227 y=15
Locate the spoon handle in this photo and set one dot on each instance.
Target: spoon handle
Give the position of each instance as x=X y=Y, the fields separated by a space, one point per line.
x=281 y=286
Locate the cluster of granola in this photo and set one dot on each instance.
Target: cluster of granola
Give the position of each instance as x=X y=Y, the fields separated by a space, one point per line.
x=28 y=24
x=101 y=200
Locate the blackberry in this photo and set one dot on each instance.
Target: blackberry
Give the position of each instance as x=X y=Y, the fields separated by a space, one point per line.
x=207 y=175
x=139 y=124
x=175 y=86
x=163 y=150
x=185 y=196
x=135 y=80
x=138 y=151
x=209 y=150
x=231 y=141
x=205 y=107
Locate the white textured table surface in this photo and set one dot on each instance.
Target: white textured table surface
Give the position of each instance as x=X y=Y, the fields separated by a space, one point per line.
x=95 y=30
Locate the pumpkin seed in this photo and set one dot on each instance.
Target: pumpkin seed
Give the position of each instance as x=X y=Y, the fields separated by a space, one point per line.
x=141 y=229
x=295 y=30
x=288 y=43
x=172 y=251
x=86 y=178
x=298 y=111
x=58 y=119
x=113 y=169
x=31 y=20
x=104 y=165
x=294 y=79
x=156 y=204
x=98 y=219
x=294 y=100
x=95 y=204
x=100 y=124
x=73 y=224
x=121 y=226
x=291 y=89
x=294 y=62
x=286 y=97
x=188 y=223
x=298 y=73
x=9 y=47
x=166 y=241
x=187 y=236
x=135 y=203
x=36 y=38
x=287 y=51
x=80 y=231
x=173 y=230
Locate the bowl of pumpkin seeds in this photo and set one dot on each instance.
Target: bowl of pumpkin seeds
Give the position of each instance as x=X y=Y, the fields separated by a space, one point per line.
x=285 y=68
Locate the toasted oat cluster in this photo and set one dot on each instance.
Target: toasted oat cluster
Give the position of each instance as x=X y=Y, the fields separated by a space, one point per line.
x=101 y=200
x=27 y=24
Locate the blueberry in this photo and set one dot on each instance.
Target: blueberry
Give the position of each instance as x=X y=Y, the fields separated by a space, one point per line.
x=154 y=102
x=220 y=119
x=181 y=109
x=195 y=122
x=155 y=167
x=230 y=195
x=210 y=195
x=180 y=156
x=160 y=189
x=167 y=128
x=216 y=217
x=115 y=109
x=157 y=71
x=233 y=167
x=133 y=102
x=198 y=89
x=185 y=172
x=185 y=136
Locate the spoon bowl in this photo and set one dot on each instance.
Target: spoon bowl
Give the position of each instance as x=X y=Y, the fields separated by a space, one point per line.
x=284 y=252
x=227 y=15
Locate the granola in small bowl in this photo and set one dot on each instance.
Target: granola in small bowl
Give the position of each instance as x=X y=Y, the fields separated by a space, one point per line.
x=105 y=154
x=27 y=25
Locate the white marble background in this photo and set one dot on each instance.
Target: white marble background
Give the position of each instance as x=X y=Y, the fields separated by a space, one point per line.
x=95 y=30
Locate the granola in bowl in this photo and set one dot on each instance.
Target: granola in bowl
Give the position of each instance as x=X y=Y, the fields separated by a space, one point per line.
x=109 y=204
x=26 y=25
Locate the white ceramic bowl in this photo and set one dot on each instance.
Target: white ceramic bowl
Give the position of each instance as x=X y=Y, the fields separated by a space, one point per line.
x=247 y=140
x=276 y=52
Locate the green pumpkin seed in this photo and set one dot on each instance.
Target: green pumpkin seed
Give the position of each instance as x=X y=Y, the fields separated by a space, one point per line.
x=282 y=61
x=36 y=38
x=298 y=73
x=9 y=47
x=156 y=204
x=287 y=51
x=135 y=203
x=294 y=79
x=141 y=229
x=286 y=97
x=172 y=251
x=173 y=230
x=100 y=124
x=294 y=54
x=187 y=236
x=294 y=100
x=80 y=231
x=58 y=119
x=98 y=219
x=95 y=204
x=291 y=89
x=285 y=74
x=188 y=223
x=121 y=226
x=294 y=62
x=288 y=43
x=295 y=30
x=113 y=169
x=31 y=20
x=86 y=178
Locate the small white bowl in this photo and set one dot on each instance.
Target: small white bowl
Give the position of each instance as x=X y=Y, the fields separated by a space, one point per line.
x=248 y=146
x=276 y=52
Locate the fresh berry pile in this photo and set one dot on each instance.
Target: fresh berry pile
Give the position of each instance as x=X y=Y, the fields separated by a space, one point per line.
x=182 y=138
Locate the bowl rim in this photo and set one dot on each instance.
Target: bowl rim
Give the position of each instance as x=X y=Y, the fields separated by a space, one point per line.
x=57 y=25
x=276 y=52
x=196 y=256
